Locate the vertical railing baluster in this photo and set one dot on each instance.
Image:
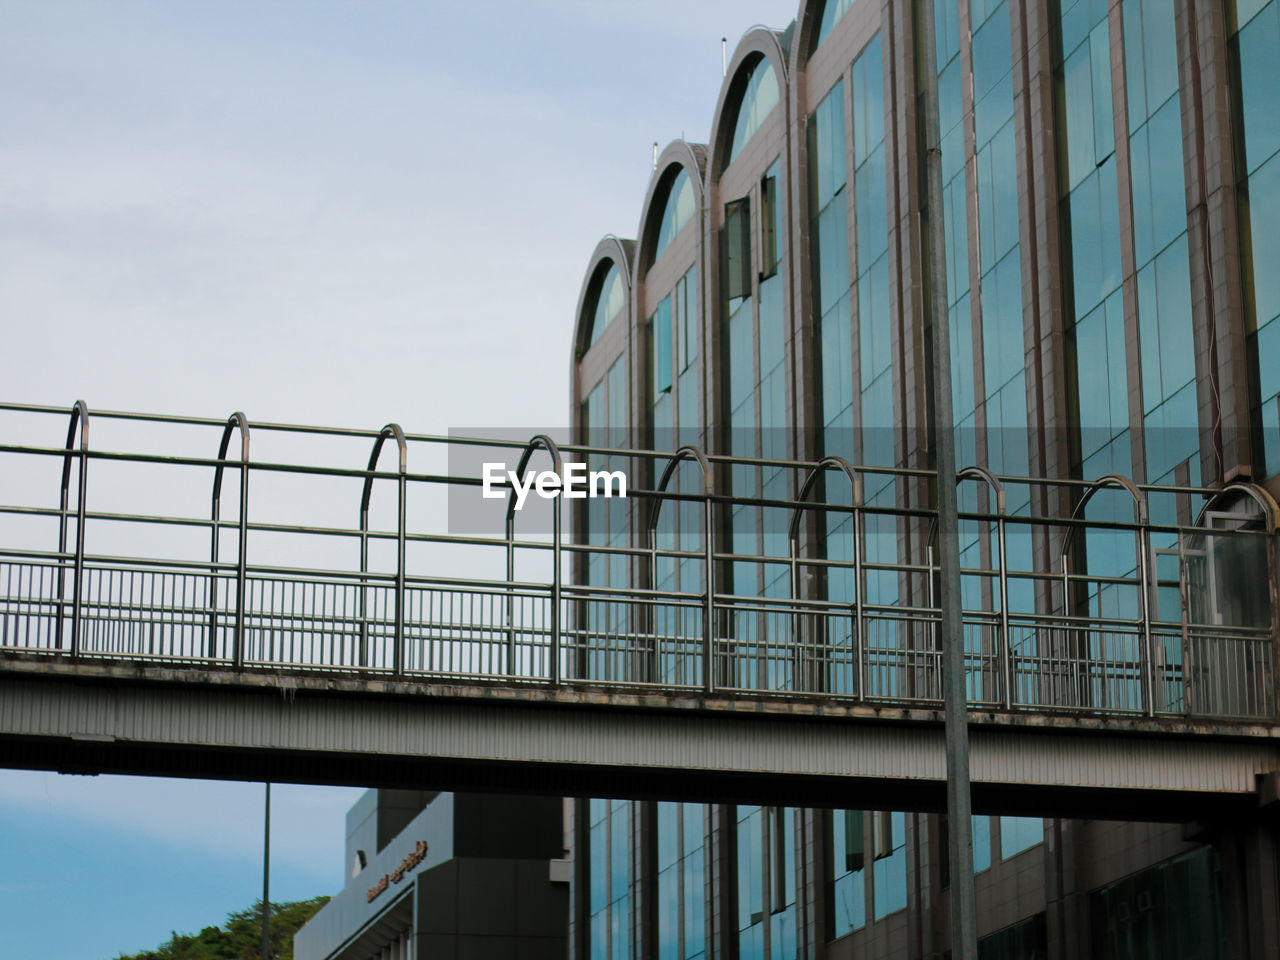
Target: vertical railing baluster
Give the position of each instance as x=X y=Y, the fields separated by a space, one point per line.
x=797 y=625
x=82 y=411
x=242 y=563
x=511 y=600
x=398 y=656
x=364 y=591
x=709 y=601
x=931 y=598
x=1146 y=653
x=655 y=660
x=1005 y=660
x=859 y=602
x=1184 y=604
x=555 y=592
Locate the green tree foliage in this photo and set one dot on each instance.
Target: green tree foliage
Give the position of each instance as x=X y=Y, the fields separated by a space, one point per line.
x=240 y=938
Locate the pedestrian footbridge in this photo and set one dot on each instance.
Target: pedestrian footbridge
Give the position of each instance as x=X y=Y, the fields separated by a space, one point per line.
x=344 y=606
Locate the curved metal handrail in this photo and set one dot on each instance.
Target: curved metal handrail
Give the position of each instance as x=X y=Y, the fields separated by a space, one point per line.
x=402 y=447
x=1142 y=556
x=390 y=430
x=810 y=481
x=1004 y=656
x=544 y=442
x=237 y=421
x=793 y=552
x=80 y=419
x=1266 y=503
x=973 y=472
x=1112 y=481
x=683 y=453
x=541 y=440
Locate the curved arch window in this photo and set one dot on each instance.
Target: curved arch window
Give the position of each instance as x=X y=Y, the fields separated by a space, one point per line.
x=758 y=101
x=678 y=210
x=832 y=11
x=609 y=302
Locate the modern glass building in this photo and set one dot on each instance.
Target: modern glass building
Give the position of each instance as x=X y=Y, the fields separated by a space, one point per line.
x=1111 y=213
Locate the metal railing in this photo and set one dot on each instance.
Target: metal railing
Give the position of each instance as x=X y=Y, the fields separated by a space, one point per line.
x=818 y=607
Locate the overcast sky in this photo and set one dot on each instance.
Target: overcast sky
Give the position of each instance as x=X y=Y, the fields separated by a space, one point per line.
x=325 y=212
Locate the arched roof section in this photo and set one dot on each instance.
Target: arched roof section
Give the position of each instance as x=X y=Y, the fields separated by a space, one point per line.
x=610 y=251
x=759 y=44
x=679 y=155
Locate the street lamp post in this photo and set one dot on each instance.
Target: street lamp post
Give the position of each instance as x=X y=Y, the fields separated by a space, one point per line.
x=964 y=934
x=266 y=875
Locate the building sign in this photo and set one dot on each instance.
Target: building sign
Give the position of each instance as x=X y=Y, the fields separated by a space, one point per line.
x=395 y=876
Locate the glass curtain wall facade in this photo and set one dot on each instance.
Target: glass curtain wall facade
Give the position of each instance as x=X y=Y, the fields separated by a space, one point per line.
x=1254 y=45
x=779 y=310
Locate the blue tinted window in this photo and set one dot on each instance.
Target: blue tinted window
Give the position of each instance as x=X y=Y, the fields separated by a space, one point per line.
x=868 y=101
x=981 y=833
x=1259 y=45
x=1018 y=834
x=1159 y=224
x=1102 y=376
x=609 y=924
x=676 y=212
x=765 y=883
x=1094 y=224
x=758 y=101
x=609 y=302
x=954 y=208
x=875 y=326
x=962 y=358
x=831 y=256
x=1002 y=322
x=1164 y=306
x=826 y=149
x=750 y=866
x=832 y=11
x=871 y=206
x=846 y=871
x=875 y=322
x=827 y=179
x=837 y=369
x=946 y=31
x=890 y=866
x=660 y=348
x=681 y=881
x=1151 y=57
x=992 y=73
x=997 y=197
x=1086 y=96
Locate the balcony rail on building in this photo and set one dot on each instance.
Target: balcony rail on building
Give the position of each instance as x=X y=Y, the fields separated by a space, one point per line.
x=1099 y=598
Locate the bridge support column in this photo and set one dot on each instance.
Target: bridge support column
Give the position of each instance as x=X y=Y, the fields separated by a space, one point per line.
x=1251 y=889
x=1066 y=908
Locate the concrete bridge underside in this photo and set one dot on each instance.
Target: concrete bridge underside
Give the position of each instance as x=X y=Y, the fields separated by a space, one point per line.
x=134 y=717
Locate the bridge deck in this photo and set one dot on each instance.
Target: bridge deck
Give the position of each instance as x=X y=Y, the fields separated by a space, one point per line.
x=138 y=717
